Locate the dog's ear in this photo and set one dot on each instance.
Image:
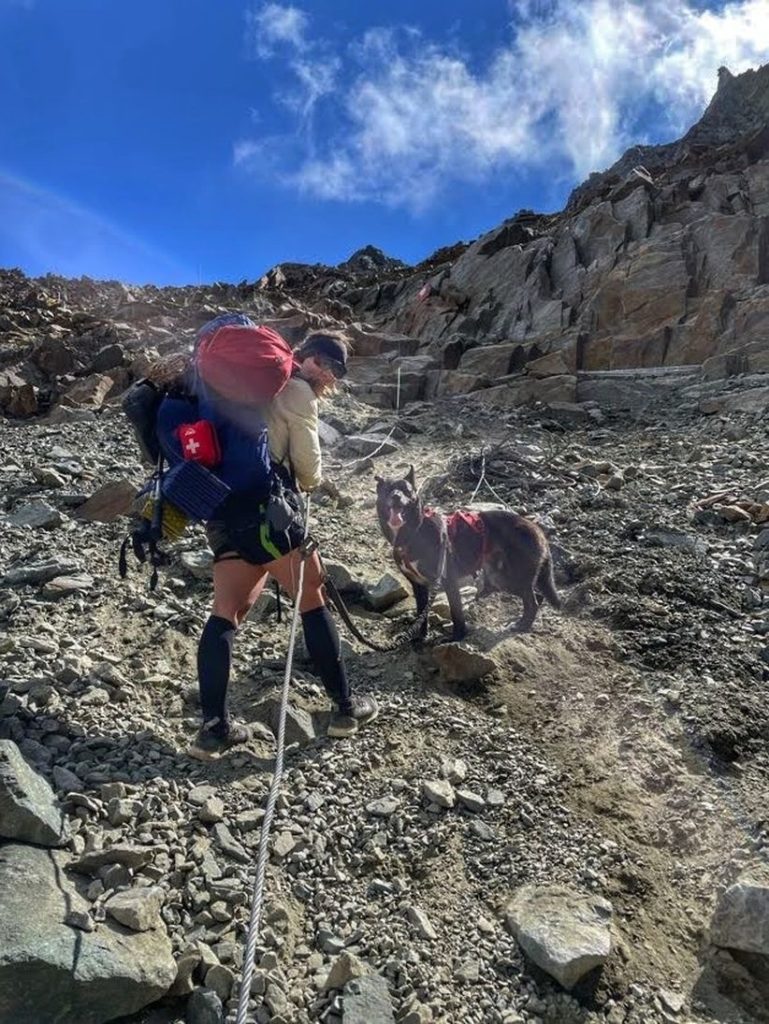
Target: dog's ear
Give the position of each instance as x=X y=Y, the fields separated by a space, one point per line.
x=411 y=478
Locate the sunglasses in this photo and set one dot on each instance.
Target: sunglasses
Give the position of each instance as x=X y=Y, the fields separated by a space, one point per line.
x=334 y=366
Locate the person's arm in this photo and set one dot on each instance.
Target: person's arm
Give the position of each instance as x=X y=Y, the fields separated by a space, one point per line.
x=299 y=407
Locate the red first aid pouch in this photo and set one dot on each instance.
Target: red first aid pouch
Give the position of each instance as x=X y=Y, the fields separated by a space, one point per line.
x=199 y=443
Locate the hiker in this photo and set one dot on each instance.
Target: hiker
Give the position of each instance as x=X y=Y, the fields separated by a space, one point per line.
x=245 y=557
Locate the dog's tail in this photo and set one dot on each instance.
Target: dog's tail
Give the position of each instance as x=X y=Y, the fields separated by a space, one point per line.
x=546 y=582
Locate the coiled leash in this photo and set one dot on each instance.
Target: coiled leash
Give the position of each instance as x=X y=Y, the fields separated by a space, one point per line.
x=257 y=899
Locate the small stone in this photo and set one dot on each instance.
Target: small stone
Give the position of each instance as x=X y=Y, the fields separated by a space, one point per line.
x=421 y=923
x=220 y=979
x=384 y=807
x=81 y=920
x=385 y=593
x=283 y=845
x=212 y=811
x=468 y=972
x=137 y=909
x=35 y=515
x=459 y=664
x=483 y=831
x=471 y=800
x=346 y=967
x=204 y=1007
x=200 y=794
x=440 y=792
x=228 y=844
x=454 y=769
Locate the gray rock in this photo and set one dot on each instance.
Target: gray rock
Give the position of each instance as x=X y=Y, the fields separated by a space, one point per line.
x=220 y=979
x=51 y=973
x=40 y=572
x=283 y=845
x=367 y=445
x=472 y=801
x=346 y=967
x=439 y=791
x=137 y=909
x=741 y=919
x=66 y=781
x=36 y=515
x=204 y=1007
x=367 y=1001
x=228 y=844
x=385 y=593
x=562 y=931
x=421 y=923
x=63 y=585
x=212 y=811
x=130 y=856
x=29 y=810
x=199 y=564
x=384 y=807
x=299 y=724
x=459 y=664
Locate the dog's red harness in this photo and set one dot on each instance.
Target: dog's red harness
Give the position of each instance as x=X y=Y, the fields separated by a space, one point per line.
x=469 y=520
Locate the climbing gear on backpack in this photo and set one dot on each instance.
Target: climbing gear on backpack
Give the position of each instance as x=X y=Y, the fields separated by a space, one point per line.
x=207 y=428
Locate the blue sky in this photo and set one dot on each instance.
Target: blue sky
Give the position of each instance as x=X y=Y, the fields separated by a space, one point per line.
x=178 y=141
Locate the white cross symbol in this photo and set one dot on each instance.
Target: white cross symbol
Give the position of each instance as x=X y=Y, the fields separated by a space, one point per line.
x=191 y=445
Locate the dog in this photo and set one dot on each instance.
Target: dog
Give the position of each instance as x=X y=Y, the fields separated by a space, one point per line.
x=433 y=550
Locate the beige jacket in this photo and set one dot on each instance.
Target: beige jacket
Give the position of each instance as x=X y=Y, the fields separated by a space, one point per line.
x=292 y=429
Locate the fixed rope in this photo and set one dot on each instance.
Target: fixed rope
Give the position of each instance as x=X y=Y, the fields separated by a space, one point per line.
x=257 y=899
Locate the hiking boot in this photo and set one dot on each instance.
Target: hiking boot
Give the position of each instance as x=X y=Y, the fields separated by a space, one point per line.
x=362 y=710
x=212 y=741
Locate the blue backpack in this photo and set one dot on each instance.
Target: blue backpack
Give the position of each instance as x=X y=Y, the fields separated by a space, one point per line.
x=243 y=469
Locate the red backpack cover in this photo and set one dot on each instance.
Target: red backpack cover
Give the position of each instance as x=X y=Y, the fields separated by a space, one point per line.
x=241 y=361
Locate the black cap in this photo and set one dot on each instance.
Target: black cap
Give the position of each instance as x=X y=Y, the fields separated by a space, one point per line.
x=330 y=349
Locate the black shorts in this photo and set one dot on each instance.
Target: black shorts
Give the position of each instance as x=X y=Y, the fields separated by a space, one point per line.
x=247 y=533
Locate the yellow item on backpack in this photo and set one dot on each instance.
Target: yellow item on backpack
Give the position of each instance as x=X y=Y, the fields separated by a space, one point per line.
x=174 y=521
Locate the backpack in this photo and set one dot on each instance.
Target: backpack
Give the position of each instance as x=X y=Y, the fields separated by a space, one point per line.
x=205 y=435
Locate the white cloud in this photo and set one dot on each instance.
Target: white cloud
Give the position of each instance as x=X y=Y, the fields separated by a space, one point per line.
x=572 y=88
x=271 y=25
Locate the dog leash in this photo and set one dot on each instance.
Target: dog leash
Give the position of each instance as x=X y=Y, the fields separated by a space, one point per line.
x=412 y=632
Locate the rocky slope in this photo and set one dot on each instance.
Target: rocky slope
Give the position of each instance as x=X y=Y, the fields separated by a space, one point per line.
x=618 y=753
x=568 y=826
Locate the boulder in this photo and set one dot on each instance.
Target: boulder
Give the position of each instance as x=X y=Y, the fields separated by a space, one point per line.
x=108 y=503
x=137 y=908
x=461 y=664
x=741 y=919
x=29 y=810
x=562 y=931
x=367 y=1001
x=50 y=972
x=54 y=357
x=88 y=393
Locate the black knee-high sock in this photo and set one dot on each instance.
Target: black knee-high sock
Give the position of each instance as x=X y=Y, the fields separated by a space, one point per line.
x=214 y=659
x=324 y=648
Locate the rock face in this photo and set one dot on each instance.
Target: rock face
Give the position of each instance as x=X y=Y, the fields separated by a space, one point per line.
x=660 y=261
x=28 y=809
x=51 y=973
x=564 y=933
